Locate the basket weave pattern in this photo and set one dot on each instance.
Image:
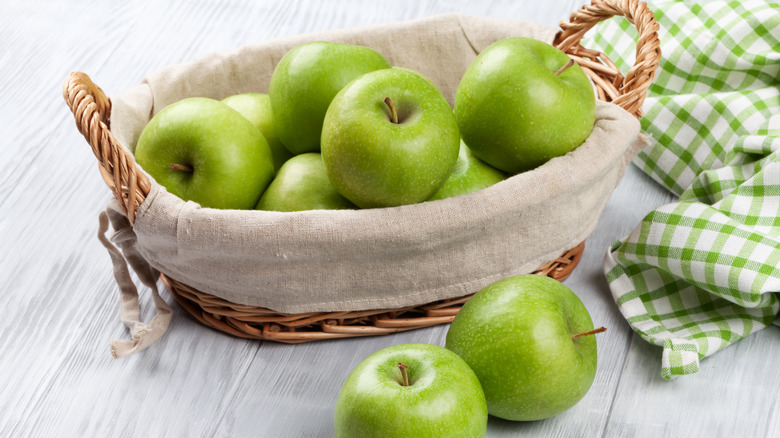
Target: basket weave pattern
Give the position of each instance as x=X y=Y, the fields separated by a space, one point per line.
x=92 y=108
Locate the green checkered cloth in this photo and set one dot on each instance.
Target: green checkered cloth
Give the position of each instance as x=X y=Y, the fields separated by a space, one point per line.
x=700 y=274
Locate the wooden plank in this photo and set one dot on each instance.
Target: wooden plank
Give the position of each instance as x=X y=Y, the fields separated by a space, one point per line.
x=733 y=395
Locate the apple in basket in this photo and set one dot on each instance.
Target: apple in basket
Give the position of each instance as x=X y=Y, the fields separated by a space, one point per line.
x=411 y=390
x=470 y=175
x=305 y=81
x=202 y=150
x=522 y=102
x=256 y=107
x=389 y=138
x=529 y=339
x=302 y=184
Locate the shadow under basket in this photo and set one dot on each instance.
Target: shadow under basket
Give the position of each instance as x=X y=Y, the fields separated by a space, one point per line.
x=131 y=186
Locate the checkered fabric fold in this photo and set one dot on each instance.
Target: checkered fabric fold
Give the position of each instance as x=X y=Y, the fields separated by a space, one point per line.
x=702 y=273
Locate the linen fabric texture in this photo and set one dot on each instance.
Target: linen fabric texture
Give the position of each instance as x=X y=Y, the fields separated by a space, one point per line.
x=382 y=258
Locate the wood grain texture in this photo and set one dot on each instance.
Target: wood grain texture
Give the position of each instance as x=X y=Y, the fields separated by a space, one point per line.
x=60 y=303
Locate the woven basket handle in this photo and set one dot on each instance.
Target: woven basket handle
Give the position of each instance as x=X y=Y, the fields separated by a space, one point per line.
x=627 y=91
x=92 y=109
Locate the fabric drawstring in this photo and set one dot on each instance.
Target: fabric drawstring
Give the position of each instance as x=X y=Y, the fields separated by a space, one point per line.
x=143 y=334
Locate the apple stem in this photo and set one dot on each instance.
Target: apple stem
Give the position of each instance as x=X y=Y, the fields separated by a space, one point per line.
x=393 y=112
x=589 y=332
x=403 y=373
x=182 y=167
x=565 y=67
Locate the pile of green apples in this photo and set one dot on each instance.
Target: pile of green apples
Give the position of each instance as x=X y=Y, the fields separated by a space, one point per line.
x=340 y=128
x=521 y=349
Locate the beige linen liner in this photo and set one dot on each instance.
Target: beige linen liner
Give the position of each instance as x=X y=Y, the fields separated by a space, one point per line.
x=380 y=258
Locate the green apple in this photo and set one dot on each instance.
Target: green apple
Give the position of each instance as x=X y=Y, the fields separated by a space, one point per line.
x=202 y=150
x=302 y=184
x=389 y=138
x=470 y=175
x=305 y=81
x=256 y=107
x=411 y=390
x=529 y=339
x=522 y=102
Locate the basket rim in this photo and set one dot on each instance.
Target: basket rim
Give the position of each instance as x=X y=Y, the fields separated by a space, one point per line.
x=130 y=185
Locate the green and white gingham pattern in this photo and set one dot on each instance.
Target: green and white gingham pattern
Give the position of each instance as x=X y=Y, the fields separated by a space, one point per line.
x=704 y=272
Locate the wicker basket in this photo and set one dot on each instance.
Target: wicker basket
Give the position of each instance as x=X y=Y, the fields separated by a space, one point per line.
x=92 y=108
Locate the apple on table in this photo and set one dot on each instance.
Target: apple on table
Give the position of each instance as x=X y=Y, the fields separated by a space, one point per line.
x=389 y=138
x=305 y=81
x=522 y=102
x=529 y=339
x=202 y=150
x=411 y=390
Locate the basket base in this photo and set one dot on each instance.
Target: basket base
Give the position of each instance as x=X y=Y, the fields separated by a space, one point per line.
x=259 y=323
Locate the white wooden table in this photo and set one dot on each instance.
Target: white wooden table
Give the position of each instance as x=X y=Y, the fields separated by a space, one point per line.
x=60 y=304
